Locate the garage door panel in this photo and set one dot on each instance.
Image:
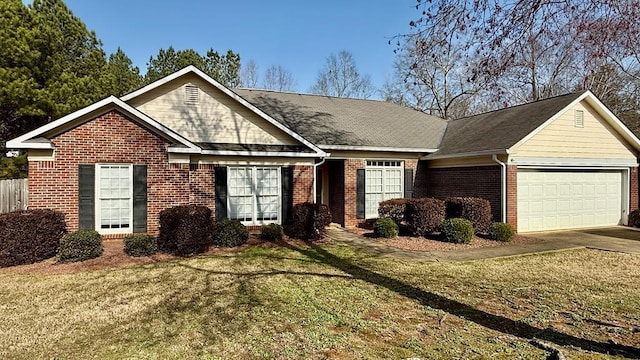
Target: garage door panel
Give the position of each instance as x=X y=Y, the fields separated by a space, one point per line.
x=564 y=190
x=550 y=200
x=564 y=206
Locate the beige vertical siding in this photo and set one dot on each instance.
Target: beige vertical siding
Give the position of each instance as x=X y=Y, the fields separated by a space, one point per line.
x=216 y=118
x=562 y=139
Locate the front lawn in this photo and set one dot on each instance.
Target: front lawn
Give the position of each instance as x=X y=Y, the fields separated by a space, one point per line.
x=326 y=301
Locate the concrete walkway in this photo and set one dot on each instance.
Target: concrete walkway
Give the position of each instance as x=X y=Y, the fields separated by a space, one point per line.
x=621 y=239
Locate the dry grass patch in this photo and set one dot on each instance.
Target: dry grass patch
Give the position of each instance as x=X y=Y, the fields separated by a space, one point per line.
x=321 y=302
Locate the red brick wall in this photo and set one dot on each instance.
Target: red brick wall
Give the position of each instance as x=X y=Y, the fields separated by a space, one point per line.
x=202 y=185
x=476 y=181
x=512 y=195
x=633 y=189
x=110 y=138
x=350 y=191
x=302 y=184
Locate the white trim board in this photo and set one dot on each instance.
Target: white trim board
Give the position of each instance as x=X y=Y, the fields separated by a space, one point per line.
x=572 y=162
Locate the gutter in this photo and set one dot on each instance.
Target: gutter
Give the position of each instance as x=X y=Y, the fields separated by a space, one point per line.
x=503 y=187
x=315 y=175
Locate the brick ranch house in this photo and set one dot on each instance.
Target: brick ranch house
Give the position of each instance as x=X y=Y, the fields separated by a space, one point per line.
x=564 y=162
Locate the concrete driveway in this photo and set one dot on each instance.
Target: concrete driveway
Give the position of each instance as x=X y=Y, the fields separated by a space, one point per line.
x=618 y=238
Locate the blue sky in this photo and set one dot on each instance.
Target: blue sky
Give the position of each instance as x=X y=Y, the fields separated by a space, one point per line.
x=298 y=35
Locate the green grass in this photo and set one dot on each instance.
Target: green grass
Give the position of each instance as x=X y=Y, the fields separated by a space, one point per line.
x=326 y=302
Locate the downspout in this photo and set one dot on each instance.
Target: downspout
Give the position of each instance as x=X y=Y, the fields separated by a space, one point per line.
x=315 y=175
x=503 y=187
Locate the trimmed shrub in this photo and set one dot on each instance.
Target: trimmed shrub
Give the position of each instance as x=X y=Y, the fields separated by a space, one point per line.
x=394 y=209
x=501 y=231
x=140 y=245
x=80 y=245
x=272 y=232
x=425 y=215
x=309 y=221
x=185 y=230
x=30 y=236
x=386 y=228
x=230 y=233
x=476 y=210
x=457 y=230
x=634 y=218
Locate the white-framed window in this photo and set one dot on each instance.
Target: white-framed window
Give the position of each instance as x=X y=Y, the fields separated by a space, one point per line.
x=384 y=180
x=254 y=194
x=114 y=198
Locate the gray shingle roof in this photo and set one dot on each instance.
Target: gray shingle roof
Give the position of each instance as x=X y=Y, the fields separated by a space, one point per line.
x=500 y=129
x=326 y=120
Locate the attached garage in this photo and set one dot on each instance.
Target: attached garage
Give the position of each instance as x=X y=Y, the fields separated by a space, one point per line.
x=563 y=163
x=553 y=199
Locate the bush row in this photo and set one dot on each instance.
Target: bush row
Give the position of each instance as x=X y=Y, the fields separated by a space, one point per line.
x=189 y=229
x=423 y=216
x=35 y=235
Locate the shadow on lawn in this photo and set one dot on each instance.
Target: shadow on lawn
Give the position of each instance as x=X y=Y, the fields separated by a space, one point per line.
x=453 y=307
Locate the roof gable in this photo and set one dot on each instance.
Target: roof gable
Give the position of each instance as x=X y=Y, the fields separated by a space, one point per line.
x=39 y=138
x=565 y=137
x=225 y=118
x=502 y=131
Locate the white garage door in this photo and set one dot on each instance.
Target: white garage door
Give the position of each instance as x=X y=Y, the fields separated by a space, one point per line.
x=551 y=200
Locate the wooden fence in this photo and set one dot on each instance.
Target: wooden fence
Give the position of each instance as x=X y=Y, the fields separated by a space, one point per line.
x=14 y=195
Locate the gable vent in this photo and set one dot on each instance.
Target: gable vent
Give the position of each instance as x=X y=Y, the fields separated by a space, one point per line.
x=578 y=119
x=191 y=93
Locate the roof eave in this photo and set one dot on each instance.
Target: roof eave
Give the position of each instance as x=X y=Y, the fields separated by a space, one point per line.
x=262 y=153
x=466 y=154
x=376 y=148
x=14 y=144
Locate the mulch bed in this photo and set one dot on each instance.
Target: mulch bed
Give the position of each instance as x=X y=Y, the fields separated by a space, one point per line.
x=114 y=257
x=433 y=244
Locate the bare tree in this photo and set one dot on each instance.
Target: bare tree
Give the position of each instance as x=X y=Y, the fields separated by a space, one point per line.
x=340 y=77
x=429 y=77
x=249 y=75
x=526 y=50
x=278 y=78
